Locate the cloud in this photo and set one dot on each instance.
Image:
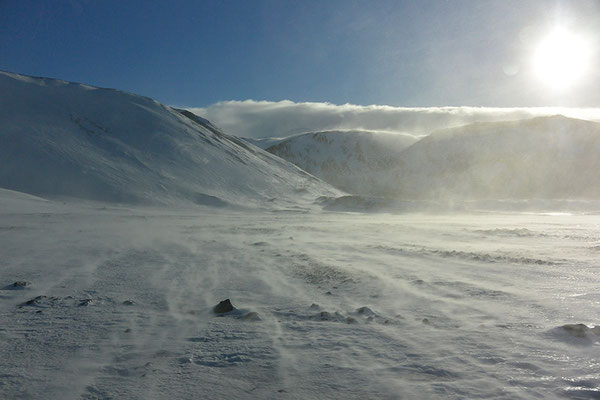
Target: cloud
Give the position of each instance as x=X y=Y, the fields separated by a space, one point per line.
x=261 y=119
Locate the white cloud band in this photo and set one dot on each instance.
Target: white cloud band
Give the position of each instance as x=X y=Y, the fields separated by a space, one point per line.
x=258 y=119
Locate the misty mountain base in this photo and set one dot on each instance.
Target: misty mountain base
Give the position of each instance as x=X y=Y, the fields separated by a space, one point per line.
x=550 y=157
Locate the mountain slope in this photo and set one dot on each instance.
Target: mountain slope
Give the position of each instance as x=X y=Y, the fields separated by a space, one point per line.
x=544 y=157
x=62 y=139
x=264 y=143
x=349 y=160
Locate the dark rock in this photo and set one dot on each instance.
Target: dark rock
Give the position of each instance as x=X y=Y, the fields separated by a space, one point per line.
x=18 y=285
x=223 y=307
x=314 y=306
x=364 y=310
x=580 y=330
x=33 y=302
x=85 y=302
x=128 y=302
x=324 y=316
x=351 y=320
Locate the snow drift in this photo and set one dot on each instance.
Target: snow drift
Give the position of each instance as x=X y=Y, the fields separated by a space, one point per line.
x=62 y=139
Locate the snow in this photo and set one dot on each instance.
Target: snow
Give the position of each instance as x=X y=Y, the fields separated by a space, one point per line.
x=541 y=158
x=551 y=157
x=124 y=222
x=263 y=143
x=349 y=160
x=60 y=139
x=348 y=305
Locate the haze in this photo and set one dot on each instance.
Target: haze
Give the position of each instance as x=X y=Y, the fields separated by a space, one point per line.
x=299 y=200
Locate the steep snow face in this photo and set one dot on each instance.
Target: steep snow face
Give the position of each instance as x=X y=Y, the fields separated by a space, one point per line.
x=63 y=139
x=349 y=160
x=545 y=157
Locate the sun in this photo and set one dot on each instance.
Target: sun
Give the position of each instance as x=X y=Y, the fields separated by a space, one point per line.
x=561 y=59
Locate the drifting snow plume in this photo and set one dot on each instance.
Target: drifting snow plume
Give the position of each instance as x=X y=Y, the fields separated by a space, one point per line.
x=259 y=119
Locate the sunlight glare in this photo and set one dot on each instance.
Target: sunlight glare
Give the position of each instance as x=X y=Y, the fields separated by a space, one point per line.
x=561 y=59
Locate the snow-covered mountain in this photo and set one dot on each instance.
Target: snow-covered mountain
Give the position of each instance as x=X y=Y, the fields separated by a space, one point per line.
x=349 y=160
x=62 y=139
x=552 y=157
x=545 y=157
x=264 y=143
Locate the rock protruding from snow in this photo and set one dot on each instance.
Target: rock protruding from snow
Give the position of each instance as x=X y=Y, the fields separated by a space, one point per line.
x=18 y=285
x=40 y=301
x=580 y=330
x=223 y=307
x=366 y=311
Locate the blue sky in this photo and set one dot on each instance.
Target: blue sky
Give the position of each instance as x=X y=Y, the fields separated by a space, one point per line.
x=196 y=53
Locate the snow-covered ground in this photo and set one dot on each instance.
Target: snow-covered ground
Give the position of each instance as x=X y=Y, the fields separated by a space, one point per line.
x=348 y=305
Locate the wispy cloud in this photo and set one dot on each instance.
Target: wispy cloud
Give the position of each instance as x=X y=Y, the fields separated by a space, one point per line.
x=257 y=119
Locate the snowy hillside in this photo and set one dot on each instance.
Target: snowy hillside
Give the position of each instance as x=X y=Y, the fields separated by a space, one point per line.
x=349 y=160
x=61 y=139
x=264 y=143
x=545 y=157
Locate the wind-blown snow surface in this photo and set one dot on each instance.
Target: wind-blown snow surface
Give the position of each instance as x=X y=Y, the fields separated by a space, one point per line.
x=405 y=306
x=64 y=139
x=349 y=160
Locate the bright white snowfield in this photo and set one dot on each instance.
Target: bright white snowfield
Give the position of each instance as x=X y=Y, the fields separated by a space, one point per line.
x=107 y=291
x=349 y=306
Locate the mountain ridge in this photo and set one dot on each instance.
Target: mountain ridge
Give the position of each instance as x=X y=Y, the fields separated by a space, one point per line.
x=64 y=139
x=540 y=157
x=544 y=157
x=349 y=160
